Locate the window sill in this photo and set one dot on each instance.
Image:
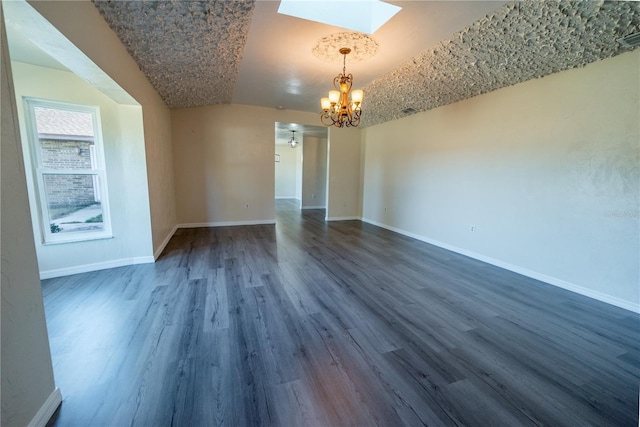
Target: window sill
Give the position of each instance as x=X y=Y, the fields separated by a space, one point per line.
x=78 y=240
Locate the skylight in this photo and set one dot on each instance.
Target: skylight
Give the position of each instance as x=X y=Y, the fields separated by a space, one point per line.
x=365 y=16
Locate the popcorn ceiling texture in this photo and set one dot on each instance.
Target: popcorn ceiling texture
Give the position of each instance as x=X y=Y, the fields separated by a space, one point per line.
x=362 y=47
x=189 y=50
x=518 y=42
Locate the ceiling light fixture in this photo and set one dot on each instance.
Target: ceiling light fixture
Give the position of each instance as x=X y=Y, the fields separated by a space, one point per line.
x=292 y=142
x=338 y=109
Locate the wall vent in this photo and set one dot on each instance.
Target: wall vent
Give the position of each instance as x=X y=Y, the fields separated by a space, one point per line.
x=408 y=111
x=632 y=40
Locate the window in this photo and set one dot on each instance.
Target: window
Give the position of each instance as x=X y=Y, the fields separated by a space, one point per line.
x=69 y=173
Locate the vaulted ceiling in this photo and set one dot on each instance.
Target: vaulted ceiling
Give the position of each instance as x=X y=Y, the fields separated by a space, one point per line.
x=430 y=54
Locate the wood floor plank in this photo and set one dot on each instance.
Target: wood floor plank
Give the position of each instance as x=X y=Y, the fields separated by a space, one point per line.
x=314 y=323
x=216 y=315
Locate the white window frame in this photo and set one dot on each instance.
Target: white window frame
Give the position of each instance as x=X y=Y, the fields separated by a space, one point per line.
x=39 y=171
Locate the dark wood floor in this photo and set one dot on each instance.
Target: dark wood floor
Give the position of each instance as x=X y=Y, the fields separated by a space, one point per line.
x=308 y=323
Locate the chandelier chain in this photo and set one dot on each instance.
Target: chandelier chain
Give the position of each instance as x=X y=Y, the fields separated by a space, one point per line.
x=344 y=64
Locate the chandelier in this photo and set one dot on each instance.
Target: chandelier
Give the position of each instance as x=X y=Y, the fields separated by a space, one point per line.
x=292 y=142
x=338 y=109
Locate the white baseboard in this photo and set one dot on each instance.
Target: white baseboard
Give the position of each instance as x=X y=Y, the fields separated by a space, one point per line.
x=227 y=223
x=341 y=218
x=164 y=243
x=618 y=302
x=85 y=268
x=313 y=207
x=47 y=409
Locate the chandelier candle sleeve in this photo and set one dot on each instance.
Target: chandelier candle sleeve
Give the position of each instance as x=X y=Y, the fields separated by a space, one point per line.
x=356 y=96
x=343 y=107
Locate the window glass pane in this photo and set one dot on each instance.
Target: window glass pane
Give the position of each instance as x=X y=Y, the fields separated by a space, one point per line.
x=61 y=154
x=65 y=139
x=73 y=203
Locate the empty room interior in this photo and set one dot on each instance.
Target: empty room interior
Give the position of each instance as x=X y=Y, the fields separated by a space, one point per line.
x=320 y=213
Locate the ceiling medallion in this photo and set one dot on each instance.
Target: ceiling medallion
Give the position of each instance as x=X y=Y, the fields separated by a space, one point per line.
x=340 y=109
x=362 y=47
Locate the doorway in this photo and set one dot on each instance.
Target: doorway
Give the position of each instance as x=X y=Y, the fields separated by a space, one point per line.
x=301 y=167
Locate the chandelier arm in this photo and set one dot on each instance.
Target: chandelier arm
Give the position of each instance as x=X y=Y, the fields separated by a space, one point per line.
x=356 y=119
x=337 y=80
x=337 y=118
x=326 y=119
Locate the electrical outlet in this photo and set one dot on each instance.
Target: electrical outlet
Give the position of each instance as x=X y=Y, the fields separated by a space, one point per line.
x=472 y=228
x=246 y=206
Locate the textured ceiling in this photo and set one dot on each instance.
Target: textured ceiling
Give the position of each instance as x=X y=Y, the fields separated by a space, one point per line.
x=279 y=68
x=189 y=50
x=192 y=51
x=518 y=42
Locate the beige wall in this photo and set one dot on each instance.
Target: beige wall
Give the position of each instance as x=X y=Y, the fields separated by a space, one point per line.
x=224 y=162
x=314 y=172
x=82 y=24
x=546 y=171
x=299 y=171
x=126 y=174
x=343 y=174
x=286 y=171
x=27 y=373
